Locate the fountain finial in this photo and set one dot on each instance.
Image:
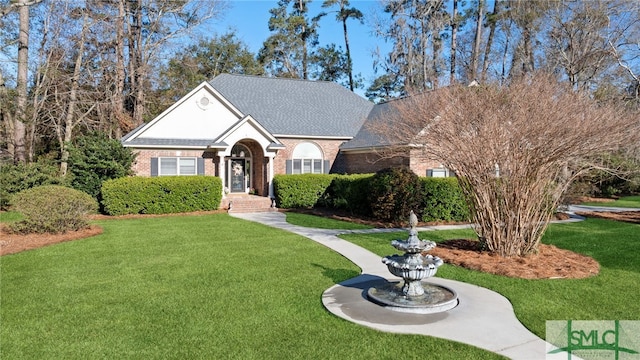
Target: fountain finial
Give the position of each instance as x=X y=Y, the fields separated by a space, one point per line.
x=413 y=220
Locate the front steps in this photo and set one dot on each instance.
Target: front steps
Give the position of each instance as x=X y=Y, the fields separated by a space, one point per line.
x=244 y=203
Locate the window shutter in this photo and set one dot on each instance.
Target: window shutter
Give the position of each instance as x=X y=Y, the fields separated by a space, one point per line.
x=326 y=166
x=429 y=172
x=289 y=165
x=200 y=166
x=154 y=166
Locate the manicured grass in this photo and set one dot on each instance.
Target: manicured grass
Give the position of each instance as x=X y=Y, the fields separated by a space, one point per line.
x=189 y=287
x=319 y=222
x=10 y=216
x=608 y=296
x=623 y=202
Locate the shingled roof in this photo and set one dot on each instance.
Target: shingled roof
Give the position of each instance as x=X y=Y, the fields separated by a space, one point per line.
x=296 y=107
x=368 y=137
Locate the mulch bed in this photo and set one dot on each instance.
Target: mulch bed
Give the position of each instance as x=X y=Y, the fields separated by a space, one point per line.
x=14 y=243
x=626 y=216
x=549 y=263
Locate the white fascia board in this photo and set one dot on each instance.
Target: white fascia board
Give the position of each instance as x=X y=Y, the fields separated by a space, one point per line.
x=313 y=137
x=180 y=147
x=364 y=149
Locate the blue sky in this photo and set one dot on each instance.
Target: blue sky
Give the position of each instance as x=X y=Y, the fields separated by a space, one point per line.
x=250 y=20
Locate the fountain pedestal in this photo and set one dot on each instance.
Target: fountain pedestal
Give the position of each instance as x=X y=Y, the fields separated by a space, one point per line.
x=413 y=295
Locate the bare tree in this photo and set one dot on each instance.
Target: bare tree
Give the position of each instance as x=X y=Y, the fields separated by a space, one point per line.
x=579 y=40
x=62 y=93
x=511 y=147
x=415 y=30
x=134 y=35
x=625 y=48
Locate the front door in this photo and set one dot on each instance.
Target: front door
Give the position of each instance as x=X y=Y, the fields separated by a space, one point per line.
x=238 y=170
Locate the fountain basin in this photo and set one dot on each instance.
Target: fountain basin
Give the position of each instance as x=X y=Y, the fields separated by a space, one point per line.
x=416 y=268
x=412 y=295
x=435 y=298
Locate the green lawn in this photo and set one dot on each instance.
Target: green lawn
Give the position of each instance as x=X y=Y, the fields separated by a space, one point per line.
x=623 y=202
x=189 y=287
x=319 y=222
x=608 y=296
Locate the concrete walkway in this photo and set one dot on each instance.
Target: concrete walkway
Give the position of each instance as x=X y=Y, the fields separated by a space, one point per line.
x=585 y=208
x=483 y=318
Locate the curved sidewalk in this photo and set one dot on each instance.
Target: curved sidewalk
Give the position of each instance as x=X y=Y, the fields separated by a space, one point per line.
x=483 y=318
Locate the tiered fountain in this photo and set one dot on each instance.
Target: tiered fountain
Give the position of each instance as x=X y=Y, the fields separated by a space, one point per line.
x=412 y=295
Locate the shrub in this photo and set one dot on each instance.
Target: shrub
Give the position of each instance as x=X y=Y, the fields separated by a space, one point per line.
x=161 y=195
x=394 y=192
x=19 y=177
x=52 y=209
x=350 y=192
x=94 y=158
x=443 y=200
x=300 y=190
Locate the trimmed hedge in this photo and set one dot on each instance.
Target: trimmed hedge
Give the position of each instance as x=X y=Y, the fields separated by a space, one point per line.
x=443 y=200
x=350 y=192
x=300 y=191
x=161 y=195
x=52 y=209
x=394 y=193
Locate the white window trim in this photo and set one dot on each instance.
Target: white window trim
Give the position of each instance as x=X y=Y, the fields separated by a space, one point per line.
x=440 y=172
x=178 y=158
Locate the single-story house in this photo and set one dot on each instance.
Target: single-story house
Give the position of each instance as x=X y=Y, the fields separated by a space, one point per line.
x=246 y=129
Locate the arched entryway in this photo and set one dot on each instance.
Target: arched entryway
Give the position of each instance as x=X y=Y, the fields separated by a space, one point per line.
x=245 y=168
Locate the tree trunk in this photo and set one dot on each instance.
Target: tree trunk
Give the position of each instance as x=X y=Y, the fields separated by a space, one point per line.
x=19 y=129
x=424 y=56
x=487 y=50
x=117 y=100
x=529 y=60
x=437 y=48
x=454 y=34
x=305 y=55
x=5 y=117
x=69 y=121
x=475 y=57
x=139 y=71
x=346 y=46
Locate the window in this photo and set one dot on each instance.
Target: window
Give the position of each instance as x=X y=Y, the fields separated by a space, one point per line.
x=307 y=159
x=177 y=166
x=440 y=172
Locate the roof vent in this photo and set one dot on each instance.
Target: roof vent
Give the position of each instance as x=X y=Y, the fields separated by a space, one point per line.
x=204 y=103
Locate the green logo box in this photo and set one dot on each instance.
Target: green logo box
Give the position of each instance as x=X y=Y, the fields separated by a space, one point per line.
x=593 y=339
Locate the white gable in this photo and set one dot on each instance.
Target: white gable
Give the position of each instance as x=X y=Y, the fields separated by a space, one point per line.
x=248 y=128
x=201 y=114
